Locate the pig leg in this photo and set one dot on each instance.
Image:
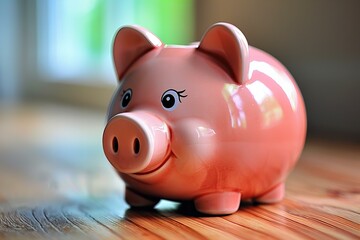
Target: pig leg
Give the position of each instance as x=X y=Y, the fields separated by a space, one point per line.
x=276 y=194
x=218 y=203
x=135 y=199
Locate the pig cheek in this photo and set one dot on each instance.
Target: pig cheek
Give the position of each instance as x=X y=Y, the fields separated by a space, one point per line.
x=193 y=145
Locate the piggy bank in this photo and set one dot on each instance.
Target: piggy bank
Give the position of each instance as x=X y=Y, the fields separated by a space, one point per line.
x=213 y=122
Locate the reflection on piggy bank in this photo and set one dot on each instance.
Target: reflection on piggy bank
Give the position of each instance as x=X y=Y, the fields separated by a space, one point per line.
x=213 y=122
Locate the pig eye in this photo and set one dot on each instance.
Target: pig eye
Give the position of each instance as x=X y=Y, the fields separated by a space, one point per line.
x=171 y=99
x=126 y=97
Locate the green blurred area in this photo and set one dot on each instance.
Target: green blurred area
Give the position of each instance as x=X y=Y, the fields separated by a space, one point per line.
x=171 y=20
x=95 y=26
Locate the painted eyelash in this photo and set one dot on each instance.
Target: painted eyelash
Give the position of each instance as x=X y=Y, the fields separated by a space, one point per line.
x=179 y=93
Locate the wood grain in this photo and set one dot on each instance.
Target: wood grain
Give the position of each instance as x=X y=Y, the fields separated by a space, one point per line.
x=56 y=184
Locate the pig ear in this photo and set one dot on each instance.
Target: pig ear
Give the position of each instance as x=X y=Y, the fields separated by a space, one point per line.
x=130 y=43
x=228 y=44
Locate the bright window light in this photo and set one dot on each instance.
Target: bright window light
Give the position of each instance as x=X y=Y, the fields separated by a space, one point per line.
x=75 y=37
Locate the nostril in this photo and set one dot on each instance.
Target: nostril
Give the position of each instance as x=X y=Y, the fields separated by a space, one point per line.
x=136 y=146
x=115 y=145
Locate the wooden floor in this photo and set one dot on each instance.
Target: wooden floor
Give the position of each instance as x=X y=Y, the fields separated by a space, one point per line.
x=56 y=184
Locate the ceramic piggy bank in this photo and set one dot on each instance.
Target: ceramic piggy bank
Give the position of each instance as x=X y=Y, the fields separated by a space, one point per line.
x=214 y=122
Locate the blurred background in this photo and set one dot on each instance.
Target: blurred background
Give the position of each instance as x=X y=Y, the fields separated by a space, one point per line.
x=60 y=51
x=57 y=77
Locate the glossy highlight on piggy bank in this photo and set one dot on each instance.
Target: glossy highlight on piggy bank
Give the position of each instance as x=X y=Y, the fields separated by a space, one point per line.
x=214 y=122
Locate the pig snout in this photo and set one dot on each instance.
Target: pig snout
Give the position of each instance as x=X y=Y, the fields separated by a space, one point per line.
x=136 y=142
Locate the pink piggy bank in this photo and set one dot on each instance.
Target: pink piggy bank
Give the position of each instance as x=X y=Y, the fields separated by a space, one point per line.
x=213 y=122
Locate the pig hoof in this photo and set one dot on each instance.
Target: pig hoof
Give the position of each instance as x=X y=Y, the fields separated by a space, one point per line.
x=276 y=194
x=219 y=203
x=136 y=200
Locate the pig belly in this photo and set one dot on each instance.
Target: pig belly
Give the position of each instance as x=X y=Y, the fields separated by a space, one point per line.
x=250 y=174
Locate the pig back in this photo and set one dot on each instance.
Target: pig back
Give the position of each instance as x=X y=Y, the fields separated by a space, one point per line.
x=266 y=128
